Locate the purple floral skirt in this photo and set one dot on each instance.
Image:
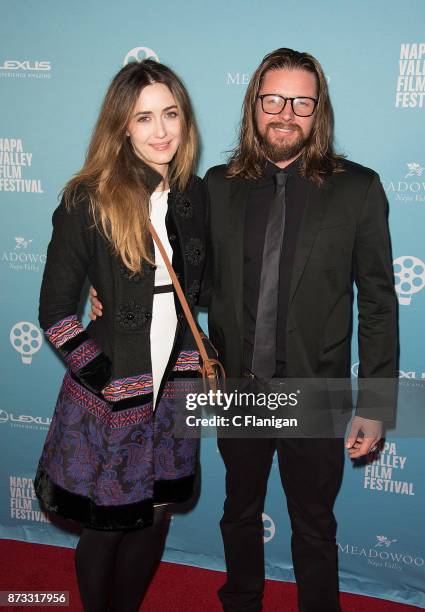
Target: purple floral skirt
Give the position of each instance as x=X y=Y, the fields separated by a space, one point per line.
x=105 y=468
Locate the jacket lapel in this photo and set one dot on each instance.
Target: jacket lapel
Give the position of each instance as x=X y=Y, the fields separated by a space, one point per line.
x=315 y=209
x=239 y=191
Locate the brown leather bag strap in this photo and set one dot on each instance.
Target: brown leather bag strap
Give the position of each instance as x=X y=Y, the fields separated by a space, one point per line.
x=180 y=294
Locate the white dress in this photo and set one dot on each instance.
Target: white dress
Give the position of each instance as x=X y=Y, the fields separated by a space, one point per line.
x=164 y=318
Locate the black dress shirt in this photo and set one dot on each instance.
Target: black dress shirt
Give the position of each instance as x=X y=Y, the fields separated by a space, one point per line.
x=260 y=196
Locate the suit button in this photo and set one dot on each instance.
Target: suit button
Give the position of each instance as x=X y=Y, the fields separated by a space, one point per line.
x=172 y=237
x=180 y=315
x=148 y=316
x=152 y=267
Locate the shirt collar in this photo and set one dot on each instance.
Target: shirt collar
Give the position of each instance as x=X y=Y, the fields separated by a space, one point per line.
x=292 y=169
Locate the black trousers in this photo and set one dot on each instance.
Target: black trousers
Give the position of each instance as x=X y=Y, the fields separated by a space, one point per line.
x=311 y=474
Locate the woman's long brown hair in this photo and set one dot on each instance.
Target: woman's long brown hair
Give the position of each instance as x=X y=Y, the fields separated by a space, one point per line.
x=114 y=178
x=319 y=159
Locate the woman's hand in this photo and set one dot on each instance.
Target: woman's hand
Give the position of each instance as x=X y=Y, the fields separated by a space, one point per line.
x=96 y=306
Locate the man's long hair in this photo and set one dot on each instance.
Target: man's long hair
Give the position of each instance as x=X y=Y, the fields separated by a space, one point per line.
x=114 y=177
x=318 y=158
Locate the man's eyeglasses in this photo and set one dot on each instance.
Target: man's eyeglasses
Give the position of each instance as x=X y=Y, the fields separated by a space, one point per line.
x=273 y=104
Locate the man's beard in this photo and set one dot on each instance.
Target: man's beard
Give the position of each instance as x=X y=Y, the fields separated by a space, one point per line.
x=280 y=149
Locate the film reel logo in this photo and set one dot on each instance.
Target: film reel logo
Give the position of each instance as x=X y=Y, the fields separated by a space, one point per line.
x=4 y=416
x=138 y=54
x=269 y=528
x=26 y=339
x=409 y=276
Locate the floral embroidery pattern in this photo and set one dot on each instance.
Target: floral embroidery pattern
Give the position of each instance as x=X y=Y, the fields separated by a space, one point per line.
x=64 y=330
x=194 y=251
x=85 y=455
x=193 y=292
x=184 y=207
x=174 y=456
x=132 y=316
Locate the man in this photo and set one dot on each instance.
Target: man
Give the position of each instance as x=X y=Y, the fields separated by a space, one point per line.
x=292 y=225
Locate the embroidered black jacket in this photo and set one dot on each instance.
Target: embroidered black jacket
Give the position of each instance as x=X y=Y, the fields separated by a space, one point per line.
x=116 y=346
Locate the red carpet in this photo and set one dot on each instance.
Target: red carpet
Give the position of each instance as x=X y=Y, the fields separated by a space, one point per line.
x=175 y=588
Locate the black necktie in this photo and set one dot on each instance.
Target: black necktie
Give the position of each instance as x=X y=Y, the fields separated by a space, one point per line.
x=264 y=355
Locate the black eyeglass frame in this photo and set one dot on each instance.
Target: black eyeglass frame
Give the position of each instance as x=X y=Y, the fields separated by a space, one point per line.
x=260 y=97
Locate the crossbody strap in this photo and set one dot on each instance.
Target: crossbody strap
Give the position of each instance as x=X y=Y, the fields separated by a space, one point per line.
x=191 y=321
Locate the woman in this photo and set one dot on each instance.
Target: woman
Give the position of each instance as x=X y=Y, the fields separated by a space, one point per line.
x=110 y=455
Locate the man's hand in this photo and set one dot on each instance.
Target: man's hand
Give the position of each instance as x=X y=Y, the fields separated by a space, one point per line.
x=363 y=437
x=96 y=306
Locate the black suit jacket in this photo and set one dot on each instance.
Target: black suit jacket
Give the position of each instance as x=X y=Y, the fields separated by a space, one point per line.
x=343 y=240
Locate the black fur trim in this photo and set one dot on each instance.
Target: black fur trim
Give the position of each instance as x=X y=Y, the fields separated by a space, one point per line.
x=131 y=402
x=176 y=491
x=81 y=509
x=96 y=374
x=73 y=343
